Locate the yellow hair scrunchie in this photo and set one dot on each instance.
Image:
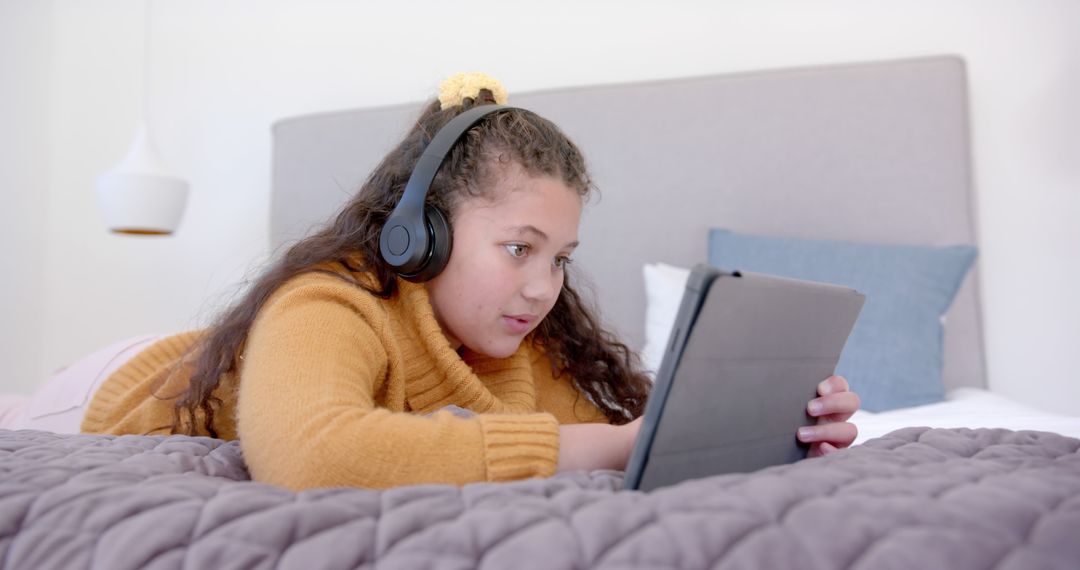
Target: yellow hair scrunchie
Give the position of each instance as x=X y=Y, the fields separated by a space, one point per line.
x=456 y=88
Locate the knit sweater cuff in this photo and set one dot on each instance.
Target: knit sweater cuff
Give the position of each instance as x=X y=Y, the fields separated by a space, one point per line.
x=520 y=446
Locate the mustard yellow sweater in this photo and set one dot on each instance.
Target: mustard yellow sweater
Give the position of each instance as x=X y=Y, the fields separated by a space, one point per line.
x=338 y=387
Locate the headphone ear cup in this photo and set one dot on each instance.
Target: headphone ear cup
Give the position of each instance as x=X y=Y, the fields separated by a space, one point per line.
x=441 y=241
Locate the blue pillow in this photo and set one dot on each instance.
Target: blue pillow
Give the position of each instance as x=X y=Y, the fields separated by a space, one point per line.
x=894 y=356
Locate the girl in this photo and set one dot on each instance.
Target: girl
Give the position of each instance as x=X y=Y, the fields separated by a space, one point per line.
x=334 y=370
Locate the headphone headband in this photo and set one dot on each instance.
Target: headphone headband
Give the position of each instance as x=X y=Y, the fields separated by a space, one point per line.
x=423 y=173
x=415 y=241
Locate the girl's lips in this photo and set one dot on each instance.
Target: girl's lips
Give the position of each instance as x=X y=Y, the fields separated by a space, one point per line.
x=518 y=324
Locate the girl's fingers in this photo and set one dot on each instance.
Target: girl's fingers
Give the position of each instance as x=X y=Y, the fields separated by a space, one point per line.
x=819 y=449
x=832 y=385
x=834 y=407
x=840 y=434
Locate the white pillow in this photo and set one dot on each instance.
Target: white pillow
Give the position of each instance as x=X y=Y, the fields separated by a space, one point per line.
x=664 y=287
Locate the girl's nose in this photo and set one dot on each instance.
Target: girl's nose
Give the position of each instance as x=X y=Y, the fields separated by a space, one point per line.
x=542 y=286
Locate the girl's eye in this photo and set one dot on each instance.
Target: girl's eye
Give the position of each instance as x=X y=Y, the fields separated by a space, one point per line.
x=562 y=261
x=517 y=249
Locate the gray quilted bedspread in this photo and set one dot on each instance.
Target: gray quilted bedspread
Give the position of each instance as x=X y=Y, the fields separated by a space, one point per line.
x=918 y=498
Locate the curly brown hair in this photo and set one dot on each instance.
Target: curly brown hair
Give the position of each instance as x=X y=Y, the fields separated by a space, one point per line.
x=600 y=366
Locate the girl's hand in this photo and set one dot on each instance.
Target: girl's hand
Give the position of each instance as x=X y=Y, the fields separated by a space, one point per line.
x=596 y=446
x=833 y=410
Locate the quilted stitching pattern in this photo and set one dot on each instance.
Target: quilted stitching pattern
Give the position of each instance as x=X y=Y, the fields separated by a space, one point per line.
x=918 y=497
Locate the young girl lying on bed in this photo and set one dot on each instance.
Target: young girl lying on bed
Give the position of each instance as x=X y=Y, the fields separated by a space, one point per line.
x=333 y=370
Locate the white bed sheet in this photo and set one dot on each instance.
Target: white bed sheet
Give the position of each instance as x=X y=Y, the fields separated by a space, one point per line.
x=970 y=408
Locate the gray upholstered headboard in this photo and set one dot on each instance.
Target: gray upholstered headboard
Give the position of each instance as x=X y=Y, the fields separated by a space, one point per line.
x=872 y=152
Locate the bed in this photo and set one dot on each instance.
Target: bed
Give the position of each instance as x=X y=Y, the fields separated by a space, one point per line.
x=947 y=474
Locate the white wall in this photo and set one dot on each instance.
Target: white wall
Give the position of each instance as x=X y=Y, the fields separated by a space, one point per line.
x=25 y=64
x=223 y=71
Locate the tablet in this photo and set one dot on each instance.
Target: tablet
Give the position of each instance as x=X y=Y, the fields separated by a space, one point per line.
x=746 y=354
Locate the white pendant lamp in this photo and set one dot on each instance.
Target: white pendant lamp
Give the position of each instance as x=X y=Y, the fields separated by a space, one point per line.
x=140 y=196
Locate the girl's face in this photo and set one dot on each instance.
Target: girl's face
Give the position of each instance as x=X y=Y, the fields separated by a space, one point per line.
x=506 y=265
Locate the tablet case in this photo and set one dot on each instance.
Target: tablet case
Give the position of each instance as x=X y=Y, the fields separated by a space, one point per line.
x=746 y=354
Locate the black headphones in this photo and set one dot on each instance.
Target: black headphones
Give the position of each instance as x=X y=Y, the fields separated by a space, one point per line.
x=416 y=239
